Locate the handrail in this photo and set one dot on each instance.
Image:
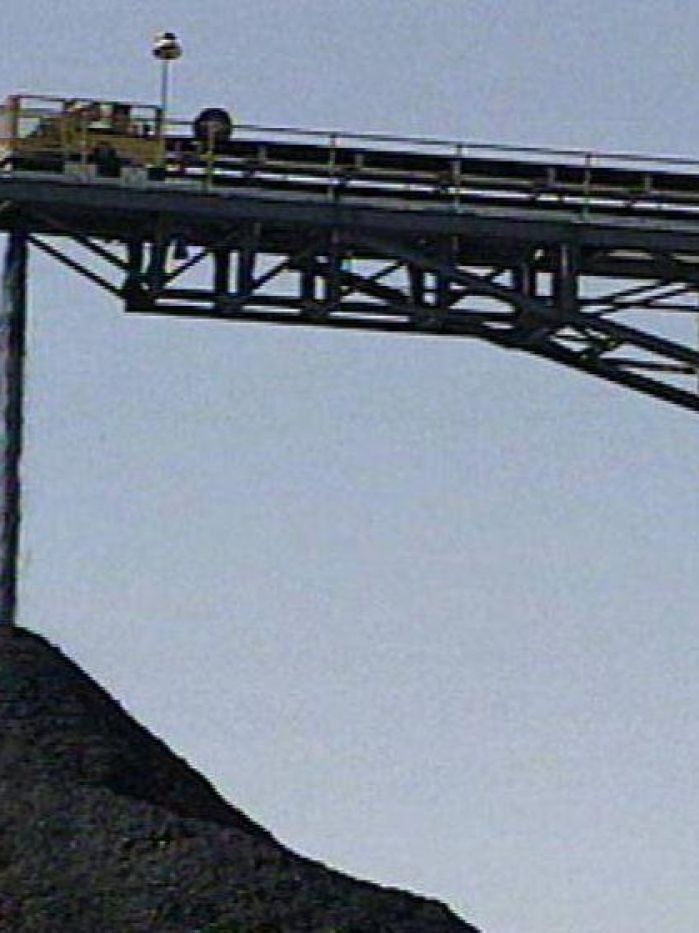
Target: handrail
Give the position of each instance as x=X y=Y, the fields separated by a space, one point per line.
x=463 y=147
x=337 y=139
x=451 y=166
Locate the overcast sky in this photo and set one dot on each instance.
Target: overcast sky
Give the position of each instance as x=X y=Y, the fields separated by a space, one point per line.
x=425 y=609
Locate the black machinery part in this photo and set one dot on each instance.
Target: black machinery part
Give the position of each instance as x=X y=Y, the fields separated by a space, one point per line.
x=213 y=125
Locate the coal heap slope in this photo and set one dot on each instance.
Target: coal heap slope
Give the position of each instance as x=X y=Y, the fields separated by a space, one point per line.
x=104 y=830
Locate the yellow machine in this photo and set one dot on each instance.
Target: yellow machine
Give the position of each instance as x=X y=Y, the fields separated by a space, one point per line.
x=52 y=133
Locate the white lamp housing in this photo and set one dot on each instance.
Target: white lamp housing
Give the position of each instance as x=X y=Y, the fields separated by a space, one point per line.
x=166 y=46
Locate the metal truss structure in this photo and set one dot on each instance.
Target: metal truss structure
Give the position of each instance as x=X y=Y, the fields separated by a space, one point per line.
x=552 y=300
x=591 y=262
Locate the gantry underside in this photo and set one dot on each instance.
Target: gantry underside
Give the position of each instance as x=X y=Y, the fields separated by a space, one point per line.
x=603 y=285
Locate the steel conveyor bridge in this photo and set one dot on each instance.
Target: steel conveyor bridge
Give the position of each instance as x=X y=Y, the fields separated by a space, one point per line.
x=591 y=261
x=588 y=260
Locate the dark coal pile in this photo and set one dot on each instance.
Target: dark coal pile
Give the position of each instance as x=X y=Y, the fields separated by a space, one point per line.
x=104 y=830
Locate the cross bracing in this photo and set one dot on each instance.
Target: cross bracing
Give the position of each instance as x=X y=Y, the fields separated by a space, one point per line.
x=589 y=261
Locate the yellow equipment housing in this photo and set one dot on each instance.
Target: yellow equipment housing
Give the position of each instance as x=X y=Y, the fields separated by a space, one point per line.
x=50 y=132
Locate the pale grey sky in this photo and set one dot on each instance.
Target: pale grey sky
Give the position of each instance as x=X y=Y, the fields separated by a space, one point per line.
x=426 y=610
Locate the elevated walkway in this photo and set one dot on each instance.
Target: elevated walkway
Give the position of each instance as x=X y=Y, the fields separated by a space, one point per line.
x=590 y=260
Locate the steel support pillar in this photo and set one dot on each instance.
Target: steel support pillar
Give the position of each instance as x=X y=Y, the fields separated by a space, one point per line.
x=13 y=316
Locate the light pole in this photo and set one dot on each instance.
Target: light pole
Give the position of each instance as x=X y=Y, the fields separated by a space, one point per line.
x=167 y=48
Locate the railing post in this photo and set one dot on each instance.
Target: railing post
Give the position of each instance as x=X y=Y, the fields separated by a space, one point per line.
x=456 y=176
x=587 y=181
x=12 y=350
x=83 y=148
x=332 y=164
x=210 y=156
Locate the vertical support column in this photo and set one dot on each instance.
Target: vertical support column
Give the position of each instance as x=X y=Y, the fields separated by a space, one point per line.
x=222 y=276
x=133 y=288
x=247 y=257
x=565 y=279
x=443 y=290
x=13 y=318
x=307 y=286
x=332 y=284
x=416 y=279
x=524 y=279
x=525 y=284
x=156 y=271
x=442 y=283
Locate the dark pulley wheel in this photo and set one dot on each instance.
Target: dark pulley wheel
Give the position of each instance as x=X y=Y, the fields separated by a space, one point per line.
x=213 y=124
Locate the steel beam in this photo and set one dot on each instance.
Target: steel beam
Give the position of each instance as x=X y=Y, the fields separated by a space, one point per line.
x=605 y=295
x=12 y=350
